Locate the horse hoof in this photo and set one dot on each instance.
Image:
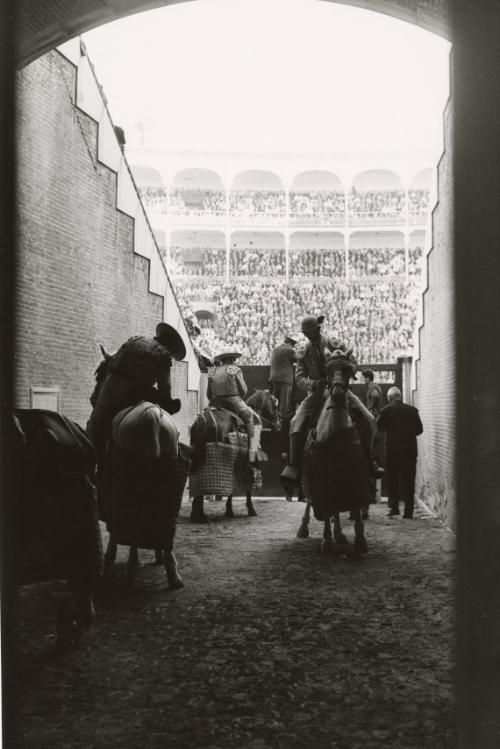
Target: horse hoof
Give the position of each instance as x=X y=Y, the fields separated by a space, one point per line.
x=175 y=583
x=252 y=513
x=342 y=540
x=229 y=514
x=288 y=498
x=360 y=547
x=303 y=532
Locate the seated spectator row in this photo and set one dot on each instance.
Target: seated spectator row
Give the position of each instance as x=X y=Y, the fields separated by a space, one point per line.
x=305 y=207
x=376 y=319
x=304 y=263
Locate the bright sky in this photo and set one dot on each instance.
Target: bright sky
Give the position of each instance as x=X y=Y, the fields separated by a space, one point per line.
x=274 y=76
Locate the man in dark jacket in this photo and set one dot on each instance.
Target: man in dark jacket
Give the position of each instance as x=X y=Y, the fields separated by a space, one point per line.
x=373 y=392
x=281 y=374
x=402 y=424
x=139 y=370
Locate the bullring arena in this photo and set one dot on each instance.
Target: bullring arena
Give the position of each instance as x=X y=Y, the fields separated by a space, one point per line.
x=270 y=643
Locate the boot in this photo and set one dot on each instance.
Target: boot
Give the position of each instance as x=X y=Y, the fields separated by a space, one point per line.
x=290 y=475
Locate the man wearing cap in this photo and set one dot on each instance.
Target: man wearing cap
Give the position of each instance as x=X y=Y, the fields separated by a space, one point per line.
x=310 y=375
x=227 y=389
x=281 y=374
x=139 y=370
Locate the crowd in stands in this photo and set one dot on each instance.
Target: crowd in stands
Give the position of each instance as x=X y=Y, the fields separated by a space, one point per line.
x=198 y=261
x=154 y=197
x=317 y=263
x=318 y=205
x=377 y=262
x=252 y=262
x=418 y=200
x=196 y=200
x=376 y=319
x=415 y=255
x=370 y=204
x=250 y=202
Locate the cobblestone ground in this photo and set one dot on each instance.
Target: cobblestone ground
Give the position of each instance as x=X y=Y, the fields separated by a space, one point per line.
x=270 y=644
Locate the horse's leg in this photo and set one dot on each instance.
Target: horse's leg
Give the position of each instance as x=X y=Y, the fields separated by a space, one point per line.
x=360 y=546
x=75 y=613
x=327 y=544
x=250 y=508
x=197 y=512
x=229 y=506
x=110 y=553
x=338 y=535
x=132 y=566
x=159 y=556
x=303 y=531
x=300 y=495
x=174 y=580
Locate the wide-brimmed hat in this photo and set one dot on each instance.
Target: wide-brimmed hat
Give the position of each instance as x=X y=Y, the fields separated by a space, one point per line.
x=311 y=323
x=227 y=355
x=171 y=339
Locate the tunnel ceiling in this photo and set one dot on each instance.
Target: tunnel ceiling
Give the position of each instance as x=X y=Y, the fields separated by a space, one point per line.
x=44 y=24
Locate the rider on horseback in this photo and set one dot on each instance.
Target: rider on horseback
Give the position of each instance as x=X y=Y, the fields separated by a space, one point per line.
x=227 y=389
x=311 y=375
x=132 y=373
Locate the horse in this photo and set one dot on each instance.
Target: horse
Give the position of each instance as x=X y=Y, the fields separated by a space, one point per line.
x=336 y=472
x=141 y=479
x=214 y=425
x=51 y=511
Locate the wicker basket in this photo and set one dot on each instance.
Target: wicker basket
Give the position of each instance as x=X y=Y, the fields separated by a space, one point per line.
x=216 y=474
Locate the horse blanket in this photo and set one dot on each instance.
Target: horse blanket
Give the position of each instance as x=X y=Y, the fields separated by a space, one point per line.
x=51 y=508
x=146 y=496
x=335 y=475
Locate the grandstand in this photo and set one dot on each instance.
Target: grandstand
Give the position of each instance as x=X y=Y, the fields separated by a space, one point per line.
x=253 y=245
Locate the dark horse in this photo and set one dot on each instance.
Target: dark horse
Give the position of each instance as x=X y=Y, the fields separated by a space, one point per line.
x=214 y=425
x=51 y=510
x=141 y=479
x=336 y=473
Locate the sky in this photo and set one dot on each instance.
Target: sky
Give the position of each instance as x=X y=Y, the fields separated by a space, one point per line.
x=274 y=76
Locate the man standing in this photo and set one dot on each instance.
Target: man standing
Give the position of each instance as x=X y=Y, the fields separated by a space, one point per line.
x=281 y=374
x=227 y=388
x=402 y=425
x=373 y=392
x=139 y=370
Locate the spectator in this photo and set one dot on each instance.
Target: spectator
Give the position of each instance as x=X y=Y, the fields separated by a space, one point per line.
x=373 y=392
x=402 y=425
x=281 y=375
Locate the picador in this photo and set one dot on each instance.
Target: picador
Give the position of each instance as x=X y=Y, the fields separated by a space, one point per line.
x=227 y=389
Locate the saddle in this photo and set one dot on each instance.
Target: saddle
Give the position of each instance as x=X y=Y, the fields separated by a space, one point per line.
x=53 y=441
x=237 y=423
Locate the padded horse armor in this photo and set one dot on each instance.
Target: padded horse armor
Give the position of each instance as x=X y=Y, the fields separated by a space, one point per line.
x=147 y=430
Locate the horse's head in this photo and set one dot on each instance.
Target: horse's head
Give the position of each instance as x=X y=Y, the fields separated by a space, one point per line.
x=266 y=405
x=100 y=374
x=341 y=366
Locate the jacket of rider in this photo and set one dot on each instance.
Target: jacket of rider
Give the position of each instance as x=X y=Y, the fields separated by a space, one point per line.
x=311 y=361
x=226 y=380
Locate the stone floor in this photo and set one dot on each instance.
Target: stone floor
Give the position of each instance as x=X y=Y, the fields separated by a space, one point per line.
x=270 y=644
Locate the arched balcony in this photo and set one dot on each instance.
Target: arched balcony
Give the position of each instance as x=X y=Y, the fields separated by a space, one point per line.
x=377 y=256
x=197 y=196
x=318 y=257
x=316 y=198
x=197 y=255
x=257 y=197
x=257 y=254
x=151 y=188
x=377 y=196
x=419 y=196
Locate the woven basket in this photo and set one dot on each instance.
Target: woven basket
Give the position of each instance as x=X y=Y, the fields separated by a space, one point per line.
x=216 y=474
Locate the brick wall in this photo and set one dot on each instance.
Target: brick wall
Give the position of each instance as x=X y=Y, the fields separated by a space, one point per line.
x=80 y=283
x=435 y=367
